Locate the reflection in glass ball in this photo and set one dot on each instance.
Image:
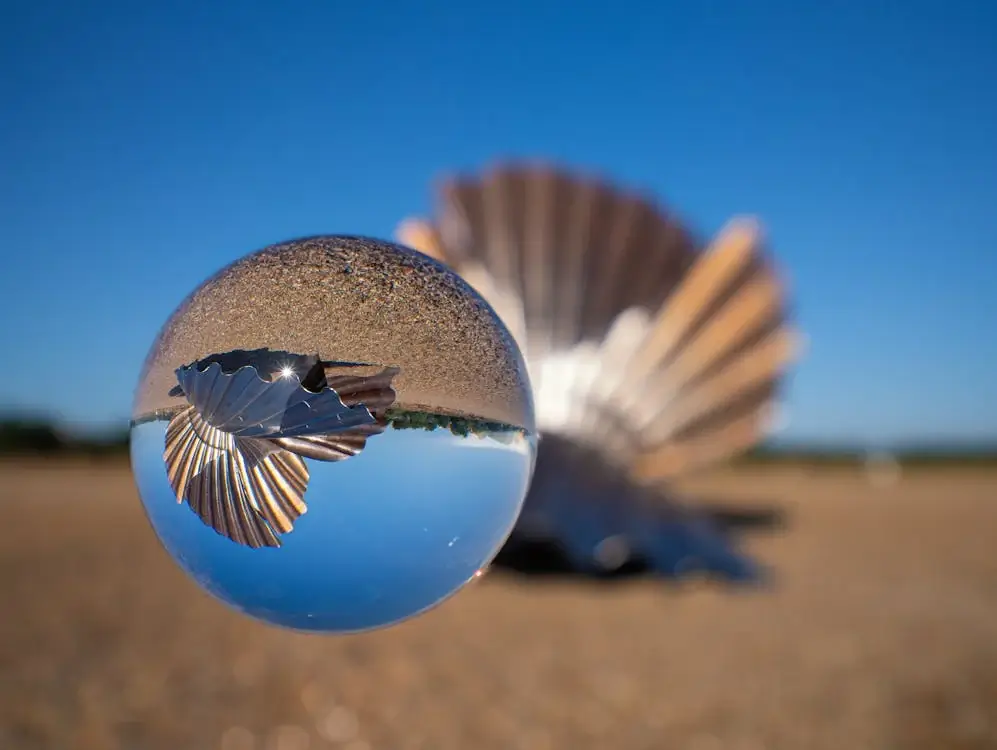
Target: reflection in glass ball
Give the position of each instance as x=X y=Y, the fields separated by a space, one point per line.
x=333 y=434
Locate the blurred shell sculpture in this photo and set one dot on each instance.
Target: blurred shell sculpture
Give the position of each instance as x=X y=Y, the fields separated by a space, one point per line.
x=650 y=356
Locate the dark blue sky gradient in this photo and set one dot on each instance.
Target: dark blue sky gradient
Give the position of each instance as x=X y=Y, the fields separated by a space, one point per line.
x=145 y=145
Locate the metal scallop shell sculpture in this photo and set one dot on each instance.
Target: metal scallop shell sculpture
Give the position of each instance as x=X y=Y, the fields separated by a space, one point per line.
x=235 y=453
x=650 y=354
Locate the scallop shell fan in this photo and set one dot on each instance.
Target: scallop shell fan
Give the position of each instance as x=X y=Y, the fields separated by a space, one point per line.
x=662 y=355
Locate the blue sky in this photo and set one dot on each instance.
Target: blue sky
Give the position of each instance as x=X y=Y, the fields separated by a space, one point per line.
x=145 y=145
x=386 y=534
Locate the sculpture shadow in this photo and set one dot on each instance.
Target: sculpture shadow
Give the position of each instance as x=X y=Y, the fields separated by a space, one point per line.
x=709 y=545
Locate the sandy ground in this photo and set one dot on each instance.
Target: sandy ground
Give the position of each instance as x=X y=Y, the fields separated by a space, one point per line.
x=881 y=632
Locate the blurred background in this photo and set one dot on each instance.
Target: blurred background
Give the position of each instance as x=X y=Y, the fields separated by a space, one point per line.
x=143 y=147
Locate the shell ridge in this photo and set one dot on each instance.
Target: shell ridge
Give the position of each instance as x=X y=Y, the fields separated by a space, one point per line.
x=652 y=344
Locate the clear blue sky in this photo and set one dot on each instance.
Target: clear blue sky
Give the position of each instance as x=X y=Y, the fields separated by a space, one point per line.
x=145 y=145
x=386 y=534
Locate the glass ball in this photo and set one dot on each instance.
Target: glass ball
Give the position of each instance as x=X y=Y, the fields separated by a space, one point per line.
x=333 y=434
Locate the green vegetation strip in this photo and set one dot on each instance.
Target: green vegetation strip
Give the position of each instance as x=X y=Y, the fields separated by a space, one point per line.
x=40 y=436
x=460 y=426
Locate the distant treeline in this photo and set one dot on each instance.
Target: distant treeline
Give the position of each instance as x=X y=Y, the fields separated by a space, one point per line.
x=41 y=437
x=911 y=456
x=401 y=419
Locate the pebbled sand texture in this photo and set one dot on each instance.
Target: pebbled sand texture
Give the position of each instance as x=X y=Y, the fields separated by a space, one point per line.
x=351 y=299
x=880 y=633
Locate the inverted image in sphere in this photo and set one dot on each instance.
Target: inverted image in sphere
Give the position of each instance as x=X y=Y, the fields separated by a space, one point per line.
x=333 y=434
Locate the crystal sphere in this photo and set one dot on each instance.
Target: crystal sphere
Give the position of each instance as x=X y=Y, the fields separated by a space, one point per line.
x=333 y=434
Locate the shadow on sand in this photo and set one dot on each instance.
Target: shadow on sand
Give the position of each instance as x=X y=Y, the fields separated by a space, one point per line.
x=724 y=562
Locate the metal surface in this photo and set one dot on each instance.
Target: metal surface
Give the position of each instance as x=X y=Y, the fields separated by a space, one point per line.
x=651 y=353
x=235 y=453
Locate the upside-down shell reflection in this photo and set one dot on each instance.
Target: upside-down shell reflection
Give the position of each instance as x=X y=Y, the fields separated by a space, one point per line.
x=235 y=454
